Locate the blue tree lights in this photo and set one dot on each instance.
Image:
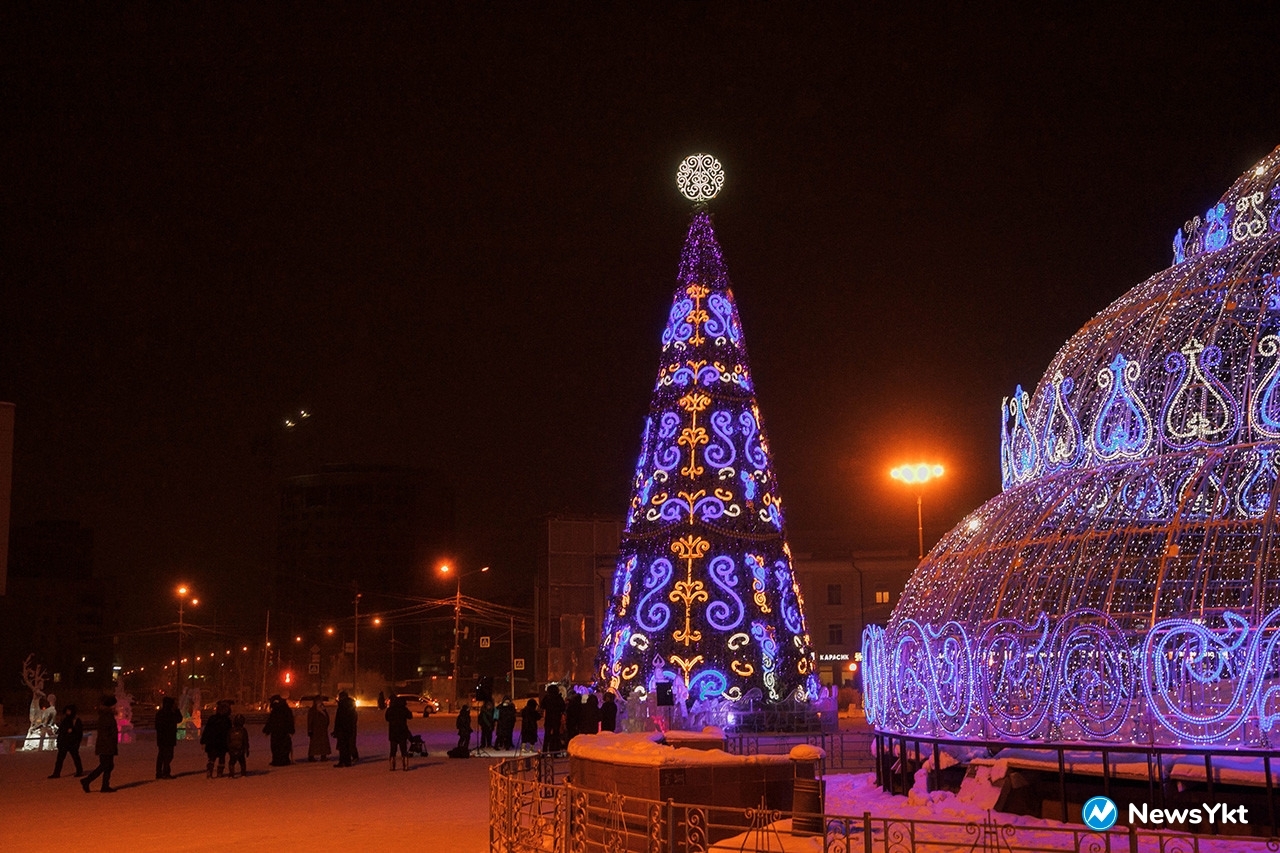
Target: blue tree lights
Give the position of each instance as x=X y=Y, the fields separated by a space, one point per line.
x=704 y=594
x=1125 y=585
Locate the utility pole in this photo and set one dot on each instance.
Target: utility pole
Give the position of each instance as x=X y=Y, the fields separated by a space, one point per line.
x=355 y=653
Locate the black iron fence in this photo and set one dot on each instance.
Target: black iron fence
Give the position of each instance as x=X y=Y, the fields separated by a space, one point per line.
x=534 y=808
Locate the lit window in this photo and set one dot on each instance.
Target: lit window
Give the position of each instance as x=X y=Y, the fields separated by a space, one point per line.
x=833 y=593
x=835 y=634
x=882 y=596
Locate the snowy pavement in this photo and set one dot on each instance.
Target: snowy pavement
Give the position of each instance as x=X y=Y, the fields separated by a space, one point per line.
x=438 y=804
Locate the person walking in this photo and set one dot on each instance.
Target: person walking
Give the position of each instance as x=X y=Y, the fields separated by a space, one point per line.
x=281 y=728
x=167 y=720
x=344 y=730
x=485 y=719
x=529 y=716
x=397 y=717
x=70 y=735
x=214 y=738
x=609 y=713
x=237 y=747
x=106 y=747
x=318 y=731
x=506 y=724
x=552 y=709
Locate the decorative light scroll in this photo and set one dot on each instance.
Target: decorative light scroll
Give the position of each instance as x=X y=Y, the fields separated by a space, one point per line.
x=1077 y=678
x=704 y=591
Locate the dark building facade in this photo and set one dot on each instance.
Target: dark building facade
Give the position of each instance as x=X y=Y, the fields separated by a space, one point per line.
x=576 y=562
x=56 y=609
x=371 y=529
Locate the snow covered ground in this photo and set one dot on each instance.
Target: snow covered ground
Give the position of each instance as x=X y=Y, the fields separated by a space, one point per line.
x=439 y=804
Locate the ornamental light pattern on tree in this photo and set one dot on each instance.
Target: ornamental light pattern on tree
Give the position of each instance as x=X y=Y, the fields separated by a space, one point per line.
x=1125 y=584
x=704 y=593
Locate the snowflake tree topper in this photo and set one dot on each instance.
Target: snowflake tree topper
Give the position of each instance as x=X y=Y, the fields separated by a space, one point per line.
x=700 y=177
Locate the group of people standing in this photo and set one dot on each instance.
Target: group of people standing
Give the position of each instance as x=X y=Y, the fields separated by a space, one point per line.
x=225 y=738
x=563 y=718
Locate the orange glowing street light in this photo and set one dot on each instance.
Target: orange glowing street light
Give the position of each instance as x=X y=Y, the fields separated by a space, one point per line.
x=917 y=475
x=446 y=570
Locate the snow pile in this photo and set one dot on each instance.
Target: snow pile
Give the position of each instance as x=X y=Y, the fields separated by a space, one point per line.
x=807 y=752
x=645 y=749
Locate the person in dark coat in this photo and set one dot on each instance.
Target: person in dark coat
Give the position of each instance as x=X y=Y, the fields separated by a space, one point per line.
x=106 y=747
x=214 y=738
x=590 y=722
x=167 y=720
x=529 y=716
x=238 y=746
x=572 y=717
x=609 y=713
x=382 y=701
x=463 y=725
x=318 y=731
x=552 y=709
x=70 y=734
x=397 y=717
x=485 y=719
x=506 y=724
x=281 y=728
x=344 y=730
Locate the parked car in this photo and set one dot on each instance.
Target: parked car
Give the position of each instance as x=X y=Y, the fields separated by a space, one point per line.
x=424 y=705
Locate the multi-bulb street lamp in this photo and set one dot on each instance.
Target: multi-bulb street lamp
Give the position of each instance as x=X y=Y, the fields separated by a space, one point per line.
x=917 y=475
x=446 y=570
x=182 y=592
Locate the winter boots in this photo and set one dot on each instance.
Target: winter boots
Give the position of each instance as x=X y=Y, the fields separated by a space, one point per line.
x=208 y=770
x=404 y=762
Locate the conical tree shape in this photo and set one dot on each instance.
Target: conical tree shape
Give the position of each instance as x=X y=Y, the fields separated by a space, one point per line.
x=704 y=594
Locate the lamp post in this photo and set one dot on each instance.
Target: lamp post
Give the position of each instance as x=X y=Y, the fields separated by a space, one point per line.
x=446 y=569
x=355 y=652
x=917 y=475
x=182 y=592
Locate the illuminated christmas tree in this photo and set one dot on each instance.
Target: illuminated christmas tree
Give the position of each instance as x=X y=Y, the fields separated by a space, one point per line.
x=704 y=594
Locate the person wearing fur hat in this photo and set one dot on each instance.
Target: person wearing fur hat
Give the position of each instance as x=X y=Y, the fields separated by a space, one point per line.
x=107 y=746
x=70 y=733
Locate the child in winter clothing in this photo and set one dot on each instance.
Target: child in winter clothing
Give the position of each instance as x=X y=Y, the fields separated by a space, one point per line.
x=238 y=745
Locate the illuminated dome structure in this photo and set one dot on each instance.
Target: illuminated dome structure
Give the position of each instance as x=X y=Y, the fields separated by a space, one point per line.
x=1125 y=585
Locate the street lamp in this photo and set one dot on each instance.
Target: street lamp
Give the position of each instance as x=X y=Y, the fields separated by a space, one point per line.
x=446 y=569
x=182 y=592
x=917 y=475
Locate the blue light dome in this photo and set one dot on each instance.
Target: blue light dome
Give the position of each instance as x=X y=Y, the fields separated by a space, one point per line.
x=1124 y=585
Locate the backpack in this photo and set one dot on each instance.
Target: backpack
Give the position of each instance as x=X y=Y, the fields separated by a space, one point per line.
x=236 y=740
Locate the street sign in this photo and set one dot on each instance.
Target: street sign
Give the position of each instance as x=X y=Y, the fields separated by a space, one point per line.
x=484 y=642
x=518 y=663
x=313 y=669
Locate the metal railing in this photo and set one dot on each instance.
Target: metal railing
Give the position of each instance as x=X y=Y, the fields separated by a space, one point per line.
x=534 y=808
x=899 y=756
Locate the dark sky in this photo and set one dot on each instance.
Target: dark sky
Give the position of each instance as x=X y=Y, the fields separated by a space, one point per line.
x=453 y=234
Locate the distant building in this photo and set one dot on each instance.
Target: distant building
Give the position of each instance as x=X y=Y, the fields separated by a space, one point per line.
x=54 y=608
x=575 y=569
x=348 y=528
x=842 y=595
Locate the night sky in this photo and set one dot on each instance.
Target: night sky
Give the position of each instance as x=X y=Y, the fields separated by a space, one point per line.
x=452 y=235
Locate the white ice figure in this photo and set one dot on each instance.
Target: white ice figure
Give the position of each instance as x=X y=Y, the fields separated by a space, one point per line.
x=41 y=733
x=124 y=712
